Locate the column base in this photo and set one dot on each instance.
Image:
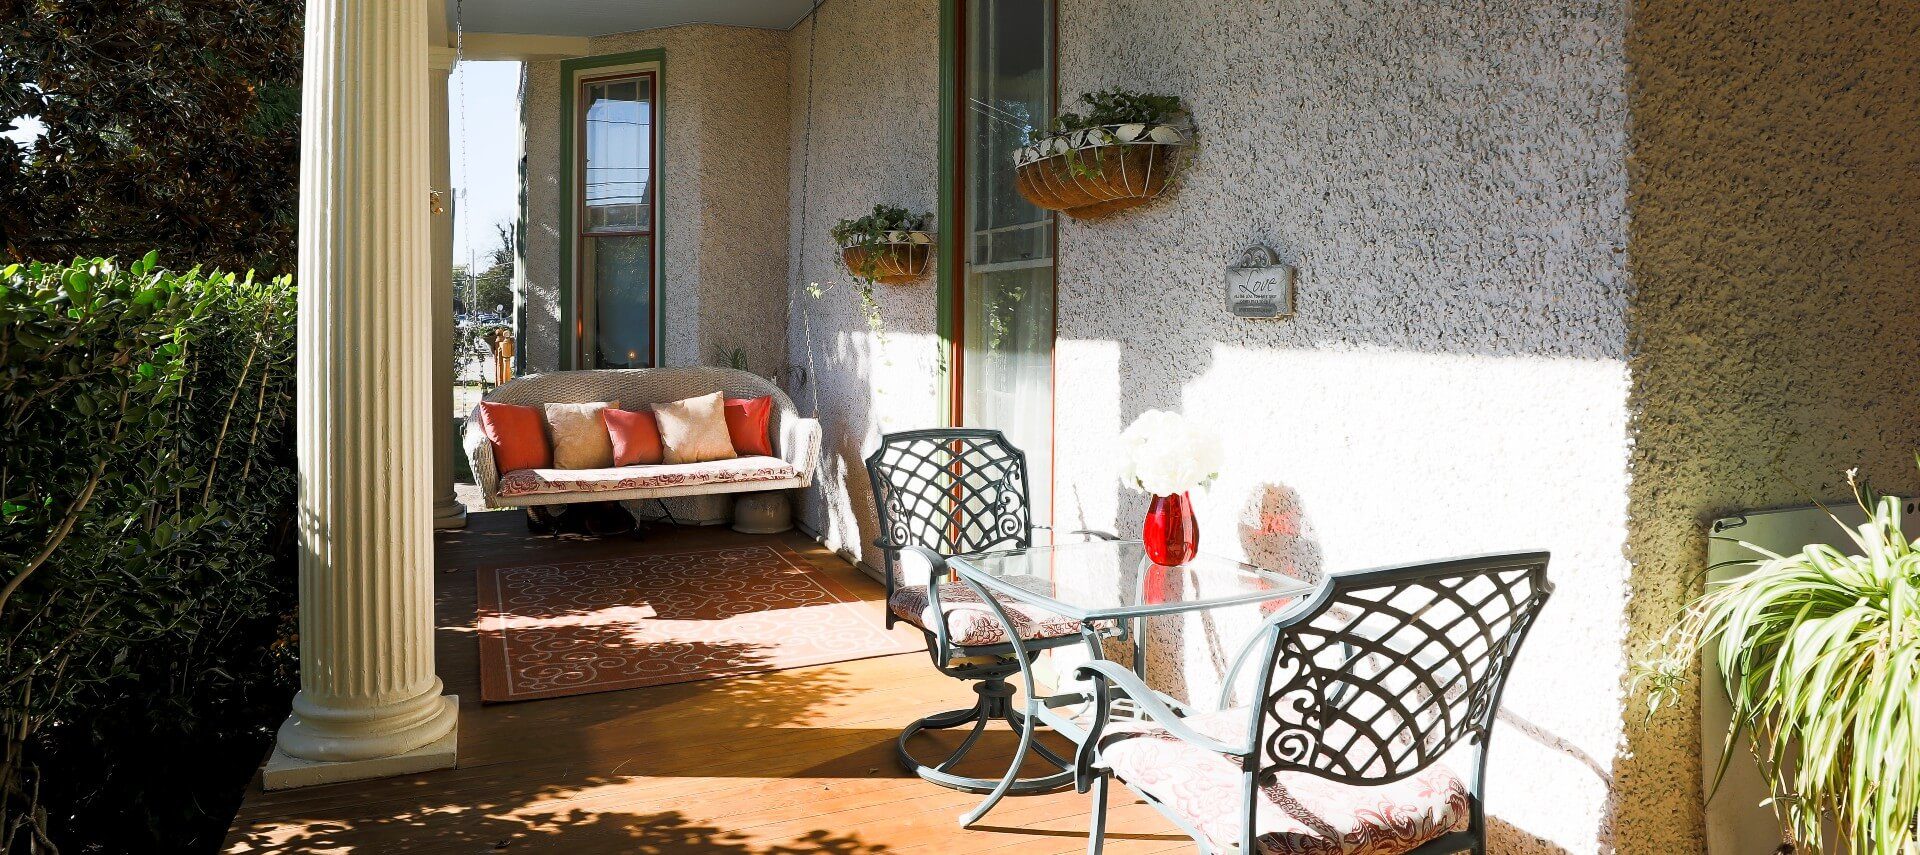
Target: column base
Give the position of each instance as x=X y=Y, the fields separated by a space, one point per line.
x=449 y=513
x=286 y=772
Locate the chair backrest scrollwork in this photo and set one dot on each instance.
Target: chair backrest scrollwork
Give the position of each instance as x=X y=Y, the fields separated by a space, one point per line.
x=951 y=490
x=1396 y=666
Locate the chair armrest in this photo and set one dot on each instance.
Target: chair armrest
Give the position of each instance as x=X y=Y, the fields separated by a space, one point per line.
x=1106 y=674
x=480 y=456
x=936 y=570
x=800 y=445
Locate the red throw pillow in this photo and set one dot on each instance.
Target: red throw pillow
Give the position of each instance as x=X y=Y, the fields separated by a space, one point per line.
x=636 y=437
x=747 y=425
x=518 y=434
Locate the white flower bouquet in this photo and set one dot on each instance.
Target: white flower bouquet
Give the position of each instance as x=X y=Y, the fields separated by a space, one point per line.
x=1165 y=454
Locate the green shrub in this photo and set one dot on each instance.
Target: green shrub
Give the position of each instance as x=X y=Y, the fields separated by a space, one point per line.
x=146 y=572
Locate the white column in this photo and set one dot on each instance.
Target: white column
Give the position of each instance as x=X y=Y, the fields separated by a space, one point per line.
x=369 y=702
x=447 y=510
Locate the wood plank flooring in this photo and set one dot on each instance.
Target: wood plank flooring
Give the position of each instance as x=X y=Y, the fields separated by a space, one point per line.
x=797 y=761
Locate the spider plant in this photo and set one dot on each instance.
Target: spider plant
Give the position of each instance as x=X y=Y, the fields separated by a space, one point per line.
x=1820 y=653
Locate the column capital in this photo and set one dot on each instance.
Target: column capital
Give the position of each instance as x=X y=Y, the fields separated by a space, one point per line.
x=441 y=59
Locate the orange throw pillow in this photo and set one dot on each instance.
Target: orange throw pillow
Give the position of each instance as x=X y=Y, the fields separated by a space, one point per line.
x=518 y=434
x=636 y=437
x=747 y=425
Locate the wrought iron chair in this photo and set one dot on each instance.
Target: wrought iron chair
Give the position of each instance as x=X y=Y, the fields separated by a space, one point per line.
x=955 y=491
x=1362 y=688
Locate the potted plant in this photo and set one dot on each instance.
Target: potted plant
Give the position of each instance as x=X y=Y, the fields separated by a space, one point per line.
x=1820 y=652
x=1122 y=153
x=889 y=245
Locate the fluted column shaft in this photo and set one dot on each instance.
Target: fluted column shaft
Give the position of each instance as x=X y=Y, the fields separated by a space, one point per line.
x=367 y=684
x=447 y=510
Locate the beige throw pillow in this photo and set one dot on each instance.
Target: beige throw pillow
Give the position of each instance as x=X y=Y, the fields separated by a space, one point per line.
x=694 y=430
x=579 y=435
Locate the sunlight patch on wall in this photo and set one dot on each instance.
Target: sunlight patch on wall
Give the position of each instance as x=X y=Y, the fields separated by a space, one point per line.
x=1351 y=458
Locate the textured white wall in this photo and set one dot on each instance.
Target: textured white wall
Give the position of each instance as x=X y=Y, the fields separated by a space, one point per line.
x=1450 y=181
x=724 y=169
x=868 y=134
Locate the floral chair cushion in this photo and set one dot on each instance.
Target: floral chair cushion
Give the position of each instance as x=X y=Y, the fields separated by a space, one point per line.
x=526 y=482
x=1298 y=813
x=970 y=623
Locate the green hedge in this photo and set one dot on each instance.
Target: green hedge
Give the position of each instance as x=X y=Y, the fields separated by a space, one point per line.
x=147 y=582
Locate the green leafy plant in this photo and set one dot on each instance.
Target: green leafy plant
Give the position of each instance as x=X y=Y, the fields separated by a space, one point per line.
x=872 y=229
x=166 y=123
x=1113 y=107
x=146 y=560
x=1820 y=653
x=872 y=233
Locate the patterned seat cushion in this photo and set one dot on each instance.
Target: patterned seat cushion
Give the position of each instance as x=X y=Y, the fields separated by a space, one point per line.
x=970 y=623
x=527 y=482
x=1297 y=814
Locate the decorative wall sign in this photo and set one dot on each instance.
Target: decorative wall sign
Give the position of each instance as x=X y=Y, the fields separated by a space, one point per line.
x=1260 y=286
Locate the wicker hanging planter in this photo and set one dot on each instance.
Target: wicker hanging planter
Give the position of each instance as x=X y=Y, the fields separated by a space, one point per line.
x=1096 y=171
x=899 y=257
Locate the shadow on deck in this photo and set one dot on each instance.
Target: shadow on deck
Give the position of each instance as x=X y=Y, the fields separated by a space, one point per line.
x=795 y=761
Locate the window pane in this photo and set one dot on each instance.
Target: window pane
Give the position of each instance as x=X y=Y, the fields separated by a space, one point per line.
x=618 y=138
x=1007 y=320
x=621 y=282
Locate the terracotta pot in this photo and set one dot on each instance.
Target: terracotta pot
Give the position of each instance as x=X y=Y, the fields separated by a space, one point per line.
x=891 y=263
x=1101 y=179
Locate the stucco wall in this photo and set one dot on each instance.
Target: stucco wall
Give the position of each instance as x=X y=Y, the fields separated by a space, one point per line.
x=1776 y=202
x=1450 y=182
x=723 y=172
x=867 y=135
x=1497 y=346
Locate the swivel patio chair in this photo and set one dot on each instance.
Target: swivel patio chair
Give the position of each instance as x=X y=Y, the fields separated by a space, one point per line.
x=955 y=491
x=1362 y=688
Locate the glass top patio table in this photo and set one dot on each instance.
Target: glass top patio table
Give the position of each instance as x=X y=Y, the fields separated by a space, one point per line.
x=1114 y=579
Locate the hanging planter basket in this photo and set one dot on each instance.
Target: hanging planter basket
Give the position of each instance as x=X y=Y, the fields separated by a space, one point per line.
x=898 y=258
x=1096 y=171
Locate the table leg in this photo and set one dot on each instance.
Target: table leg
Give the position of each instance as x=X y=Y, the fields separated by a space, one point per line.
x=1025 y=722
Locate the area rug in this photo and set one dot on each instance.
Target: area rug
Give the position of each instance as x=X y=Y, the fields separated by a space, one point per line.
x=646 y=620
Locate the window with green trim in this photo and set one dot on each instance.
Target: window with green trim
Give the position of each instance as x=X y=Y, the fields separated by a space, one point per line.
x=614 y=194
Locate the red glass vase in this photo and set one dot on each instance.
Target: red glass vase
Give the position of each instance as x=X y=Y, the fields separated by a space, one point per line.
x=1171 y=532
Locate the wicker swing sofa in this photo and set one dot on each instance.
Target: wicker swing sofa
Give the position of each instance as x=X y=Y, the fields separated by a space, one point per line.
x=795 y=440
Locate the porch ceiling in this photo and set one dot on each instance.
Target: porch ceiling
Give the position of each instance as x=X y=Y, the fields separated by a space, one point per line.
x=600 y=17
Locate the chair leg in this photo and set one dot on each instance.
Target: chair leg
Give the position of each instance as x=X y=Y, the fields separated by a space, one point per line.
x=1097 y=832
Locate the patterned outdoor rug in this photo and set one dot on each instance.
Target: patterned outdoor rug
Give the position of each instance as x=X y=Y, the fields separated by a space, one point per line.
x=646 y=620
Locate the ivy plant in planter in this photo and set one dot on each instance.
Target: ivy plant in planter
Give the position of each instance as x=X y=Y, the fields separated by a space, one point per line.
x=1123 y=152
x=890 y=245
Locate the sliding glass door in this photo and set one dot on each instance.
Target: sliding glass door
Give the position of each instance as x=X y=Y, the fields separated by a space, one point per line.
x=1005 y=274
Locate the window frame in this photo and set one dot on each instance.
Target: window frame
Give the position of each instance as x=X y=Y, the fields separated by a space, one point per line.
x=577 y=306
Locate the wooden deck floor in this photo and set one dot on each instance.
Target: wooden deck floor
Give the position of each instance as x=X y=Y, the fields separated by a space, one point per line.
x=795 y=761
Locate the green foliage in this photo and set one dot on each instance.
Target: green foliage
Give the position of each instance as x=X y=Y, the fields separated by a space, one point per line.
x=492 y=288
x=168 y=123
x=1820 y=653
x=146 y=582
x=871 y=230
x=1114 y=107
